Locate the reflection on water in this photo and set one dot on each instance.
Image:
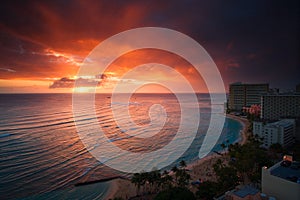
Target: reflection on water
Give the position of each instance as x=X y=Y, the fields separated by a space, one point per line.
x=40 y=150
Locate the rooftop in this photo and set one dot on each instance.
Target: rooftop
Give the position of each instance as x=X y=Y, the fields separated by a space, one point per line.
x=281 y=123
x=289 y=94
x=246 y=190
x=285 y=172
x=251 y=84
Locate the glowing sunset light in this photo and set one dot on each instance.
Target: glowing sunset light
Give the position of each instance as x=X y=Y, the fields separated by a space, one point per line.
x=54 y=42
x=83 y=89
x=141 y=99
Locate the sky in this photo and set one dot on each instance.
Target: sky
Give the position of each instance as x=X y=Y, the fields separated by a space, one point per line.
x=43 y=43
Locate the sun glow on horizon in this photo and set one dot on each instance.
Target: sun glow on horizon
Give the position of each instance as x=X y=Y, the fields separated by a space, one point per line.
x=83 y=89
x=151 y=72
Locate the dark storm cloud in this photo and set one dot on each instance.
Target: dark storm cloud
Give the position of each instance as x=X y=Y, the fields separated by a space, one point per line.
x=66 y=82
x=251 y=41
x=63 y=83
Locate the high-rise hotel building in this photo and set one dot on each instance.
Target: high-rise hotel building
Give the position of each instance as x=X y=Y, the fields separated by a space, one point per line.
x=298 y=88
x=244 y=95
x=274 y=107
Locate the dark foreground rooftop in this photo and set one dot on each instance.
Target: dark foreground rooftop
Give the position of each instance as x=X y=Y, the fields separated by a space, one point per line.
x=287 y=173
x=247 y=190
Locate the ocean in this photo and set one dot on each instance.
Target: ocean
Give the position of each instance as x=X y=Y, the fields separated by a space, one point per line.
x=42 y=156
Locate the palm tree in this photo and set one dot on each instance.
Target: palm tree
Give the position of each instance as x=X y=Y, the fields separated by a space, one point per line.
x=182 y=164
x=223 y=145
x=175 y=170
x=183 y=179
x=181 y=176
x=156 y=179
x=227 y=142
x=166 y=180
x=136 y=179
x=165 y=173
x=144 y=180
x=152 y=178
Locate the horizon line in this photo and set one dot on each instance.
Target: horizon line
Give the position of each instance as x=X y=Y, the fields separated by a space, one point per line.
x=113 y=93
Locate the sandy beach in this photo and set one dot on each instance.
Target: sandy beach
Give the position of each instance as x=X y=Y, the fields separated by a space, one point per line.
x=121 y=188
x=202 y=169
x=199 y=169
x=245 y=123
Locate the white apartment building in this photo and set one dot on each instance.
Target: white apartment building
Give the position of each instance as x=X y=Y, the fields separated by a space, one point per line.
x=282 y=132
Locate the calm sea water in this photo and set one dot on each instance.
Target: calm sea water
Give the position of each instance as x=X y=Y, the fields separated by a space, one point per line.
x=42 y=157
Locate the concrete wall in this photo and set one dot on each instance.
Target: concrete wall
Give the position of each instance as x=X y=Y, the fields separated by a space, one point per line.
x=279 y=188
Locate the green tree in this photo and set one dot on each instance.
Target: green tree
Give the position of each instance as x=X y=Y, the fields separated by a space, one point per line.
x=248 y=159
x=174 y=170
x=227 y=175
x=175 y=193
x=154 y=179
x=183 y=178
x=296 y=151
x=276 y=148
x=117 y=198
x=166 y=180
x=223 y=145
x=137 y=181
x=182 y=164
x=207 y=190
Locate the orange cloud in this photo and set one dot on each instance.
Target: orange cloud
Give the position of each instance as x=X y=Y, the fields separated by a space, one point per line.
x=136 y=58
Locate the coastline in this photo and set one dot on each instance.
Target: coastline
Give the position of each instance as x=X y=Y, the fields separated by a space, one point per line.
x=120 y=187
x=202 y=169
x=245 y=123
x=242 y=140
x=113 y=188
x=199 y=169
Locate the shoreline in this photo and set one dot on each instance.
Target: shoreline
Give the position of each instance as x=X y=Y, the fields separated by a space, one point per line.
x=120 y=187
x=113 y=189
x=242 y=139
x=245 y=123
x=199 y=169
